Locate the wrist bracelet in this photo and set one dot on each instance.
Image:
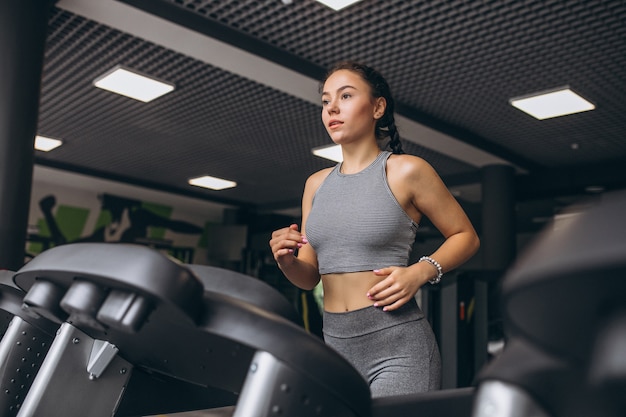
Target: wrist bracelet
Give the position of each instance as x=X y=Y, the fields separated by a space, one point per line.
x=436 y=264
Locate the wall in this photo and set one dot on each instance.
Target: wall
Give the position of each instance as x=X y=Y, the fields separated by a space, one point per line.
x=67 y=207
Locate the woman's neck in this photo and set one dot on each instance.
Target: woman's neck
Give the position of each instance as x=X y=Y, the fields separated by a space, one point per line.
x=357 y=159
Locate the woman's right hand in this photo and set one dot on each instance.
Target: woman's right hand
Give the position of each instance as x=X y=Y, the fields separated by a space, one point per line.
x=285 y=242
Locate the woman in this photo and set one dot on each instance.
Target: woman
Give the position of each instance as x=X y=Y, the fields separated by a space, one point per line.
x=359 y=221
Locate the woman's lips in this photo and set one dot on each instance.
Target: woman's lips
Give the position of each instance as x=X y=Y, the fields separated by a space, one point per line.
x=334 y=124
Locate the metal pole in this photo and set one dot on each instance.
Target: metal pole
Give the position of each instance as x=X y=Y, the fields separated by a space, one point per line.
x=23 y=30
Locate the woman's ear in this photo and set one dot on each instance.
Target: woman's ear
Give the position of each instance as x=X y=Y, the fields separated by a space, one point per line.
x=379 y=107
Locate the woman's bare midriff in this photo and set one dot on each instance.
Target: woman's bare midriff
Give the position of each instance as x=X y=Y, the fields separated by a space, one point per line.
x=348 y=291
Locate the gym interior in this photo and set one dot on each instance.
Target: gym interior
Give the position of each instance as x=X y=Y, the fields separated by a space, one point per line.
x=128 y=290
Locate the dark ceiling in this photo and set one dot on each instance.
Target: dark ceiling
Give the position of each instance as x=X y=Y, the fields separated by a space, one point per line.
x=245 y=107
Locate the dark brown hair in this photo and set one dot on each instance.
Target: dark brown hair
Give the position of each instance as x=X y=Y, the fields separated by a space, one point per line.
x=386 y=125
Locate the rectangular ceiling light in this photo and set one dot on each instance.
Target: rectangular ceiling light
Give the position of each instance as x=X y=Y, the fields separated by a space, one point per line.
x=132 y=84
x=552 y=104
x=45 y=144
x=338 y=4
x=332 y=152
x=212 y=182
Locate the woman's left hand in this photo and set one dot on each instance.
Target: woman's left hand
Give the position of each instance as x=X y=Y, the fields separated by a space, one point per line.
x=396 y=289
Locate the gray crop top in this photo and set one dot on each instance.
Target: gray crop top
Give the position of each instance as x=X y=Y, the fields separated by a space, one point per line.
x=356 y=223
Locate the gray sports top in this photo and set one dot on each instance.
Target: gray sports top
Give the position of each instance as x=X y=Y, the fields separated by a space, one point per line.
x=356 y=223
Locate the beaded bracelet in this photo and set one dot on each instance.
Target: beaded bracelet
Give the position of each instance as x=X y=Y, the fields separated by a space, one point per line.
x=436 y=264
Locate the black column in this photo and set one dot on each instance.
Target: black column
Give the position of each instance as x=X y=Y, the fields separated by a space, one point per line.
x=498 y=244
x=23 y=29
x=498 y=239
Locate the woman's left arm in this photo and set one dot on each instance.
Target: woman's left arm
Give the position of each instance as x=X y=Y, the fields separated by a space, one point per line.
x=420 y=189
x=431 y=197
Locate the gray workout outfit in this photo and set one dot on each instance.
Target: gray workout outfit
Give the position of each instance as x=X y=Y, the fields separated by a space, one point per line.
x=356 y=224
x=395 y=351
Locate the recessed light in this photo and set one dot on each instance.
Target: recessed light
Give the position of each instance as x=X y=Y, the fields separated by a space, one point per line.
x=133 y=84
x=332 y=152
x=553 y=103
x=45 y=144
x=212 y=182
x=338 y=4
x=594 y=189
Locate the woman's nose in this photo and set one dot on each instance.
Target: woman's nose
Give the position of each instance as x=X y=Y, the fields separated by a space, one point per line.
x=332 y=107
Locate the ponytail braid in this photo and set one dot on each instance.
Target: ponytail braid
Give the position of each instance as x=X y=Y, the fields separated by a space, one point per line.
x=394 y=142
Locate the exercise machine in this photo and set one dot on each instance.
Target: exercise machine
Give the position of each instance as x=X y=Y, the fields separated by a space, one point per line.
x=564 y=312
x=28 y=339
x=139 y=333
x=132 y=332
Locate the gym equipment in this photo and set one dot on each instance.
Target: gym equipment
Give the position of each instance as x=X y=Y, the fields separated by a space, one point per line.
x=26 y=340
x=94 y=294
x=564 y=311
x=449 y=402
x=125 y=311
x=245 y=288
x=140 y=334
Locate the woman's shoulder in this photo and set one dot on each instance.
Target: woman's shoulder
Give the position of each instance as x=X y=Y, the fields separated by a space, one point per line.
x=312 y=184
x=407 y=165
x=316 y=179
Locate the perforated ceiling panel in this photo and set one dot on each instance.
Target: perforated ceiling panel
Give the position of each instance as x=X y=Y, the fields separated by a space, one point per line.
x=214 y=124
x=460 y=62
x=453 y=66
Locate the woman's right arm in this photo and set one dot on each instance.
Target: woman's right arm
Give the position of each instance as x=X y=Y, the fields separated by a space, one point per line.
x=302 y=269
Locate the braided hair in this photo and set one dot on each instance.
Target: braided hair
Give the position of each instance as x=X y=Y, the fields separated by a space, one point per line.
x=386 y=125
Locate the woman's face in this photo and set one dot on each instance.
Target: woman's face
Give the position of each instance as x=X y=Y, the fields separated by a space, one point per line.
x=349 y=112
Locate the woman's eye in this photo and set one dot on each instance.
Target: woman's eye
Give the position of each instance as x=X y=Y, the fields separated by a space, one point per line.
x=324 y=102
x=346 y=95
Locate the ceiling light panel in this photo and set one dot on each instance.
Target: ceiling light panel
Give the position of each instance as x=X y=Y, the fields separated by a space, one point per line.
x=45 y=144
x=133 y=84
x=212 y=182
x=551 y=104
x=332 y=152
x=338 y=4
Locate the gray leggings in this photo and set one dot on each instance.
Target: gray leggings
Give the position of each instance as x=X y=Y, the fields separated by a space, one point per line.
x=396 y=351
